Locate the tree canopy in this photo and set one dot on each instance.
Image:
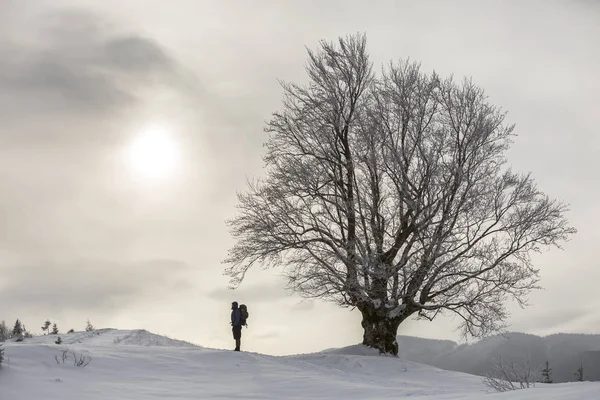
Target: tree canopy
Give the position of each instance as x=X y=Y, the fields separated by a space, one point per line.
x=391 y=193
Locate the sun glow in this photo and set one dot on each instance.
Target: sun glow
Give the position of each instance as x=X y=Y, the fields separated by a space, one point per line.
x=154 y=154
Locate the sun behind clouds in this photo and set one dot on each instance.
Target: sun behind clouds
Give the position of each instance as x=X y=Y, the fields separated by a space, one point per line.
x=154 y=154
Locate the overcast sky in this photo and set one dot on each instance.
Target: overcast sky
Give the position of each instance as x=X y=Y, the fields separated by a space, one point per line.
x=82 y=235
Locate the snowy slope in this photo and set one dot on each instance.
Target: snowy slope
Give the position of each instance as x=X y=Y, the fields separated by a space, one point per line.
x=139 y=365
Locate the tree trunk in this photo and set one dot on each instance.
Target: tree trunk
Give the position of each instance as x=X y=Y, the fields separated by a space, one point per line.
x=380 y=332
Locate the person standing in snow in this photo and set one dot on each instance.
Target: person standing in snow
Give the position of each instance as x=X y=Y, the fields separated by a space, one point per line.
x=236 y=323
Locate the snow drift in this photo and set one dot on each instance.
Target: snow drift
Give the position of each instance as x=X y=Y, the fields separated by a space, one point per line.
x=140 y=365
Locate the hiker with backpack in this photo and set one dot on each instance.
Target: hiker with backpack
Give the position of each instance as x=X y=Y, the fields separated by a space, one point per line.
x=239 y=315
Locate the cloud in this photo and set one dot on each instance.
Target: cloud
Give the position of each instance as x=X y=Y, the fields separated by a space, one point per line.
x=260 y=292
x=84 y=65
x=273 y=332
x=89 y=286
x=558 y=318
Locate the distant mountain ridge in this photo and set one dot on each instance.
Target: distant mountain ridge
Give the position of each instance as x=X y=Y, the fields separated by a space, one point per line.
x=564 y=352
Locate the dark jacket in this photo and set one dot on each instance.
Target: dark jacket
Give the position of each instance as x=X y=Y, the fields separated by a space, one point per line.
x=236 y=315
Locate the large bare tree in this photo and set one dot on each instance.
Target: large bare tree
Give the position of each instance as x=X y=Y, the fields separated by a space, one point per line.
x=390 y=193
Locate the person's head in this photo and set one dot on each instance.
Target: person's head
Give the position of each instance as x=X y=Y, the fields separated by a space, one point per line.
x=234 y=305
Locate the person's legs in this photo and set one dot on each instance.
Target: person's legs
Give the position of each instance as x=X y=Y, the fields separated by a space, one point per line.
x=237 y=335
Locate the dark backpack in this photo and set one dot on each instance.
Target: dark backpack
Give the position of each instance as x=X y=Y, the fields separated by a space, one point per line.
x=243 y=314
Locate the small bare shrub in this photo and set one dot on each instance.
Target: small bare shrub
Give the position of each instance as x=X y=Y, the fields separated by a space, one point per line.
x=511 y=375
x=79 y=359
x=64 y=356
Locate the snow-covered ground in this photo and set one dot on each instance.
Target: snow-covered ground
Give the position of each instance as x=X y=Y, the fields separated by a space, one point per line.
x=140 y=365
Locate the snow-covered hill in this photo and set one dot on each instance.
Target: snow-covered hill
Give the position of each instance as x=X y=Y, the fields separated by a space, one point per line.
x=140 y=365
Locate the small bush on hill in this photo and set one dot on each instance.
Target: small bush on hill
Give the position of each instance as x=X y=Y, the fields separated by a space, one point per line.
x=88 y=326
x=79 y=359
